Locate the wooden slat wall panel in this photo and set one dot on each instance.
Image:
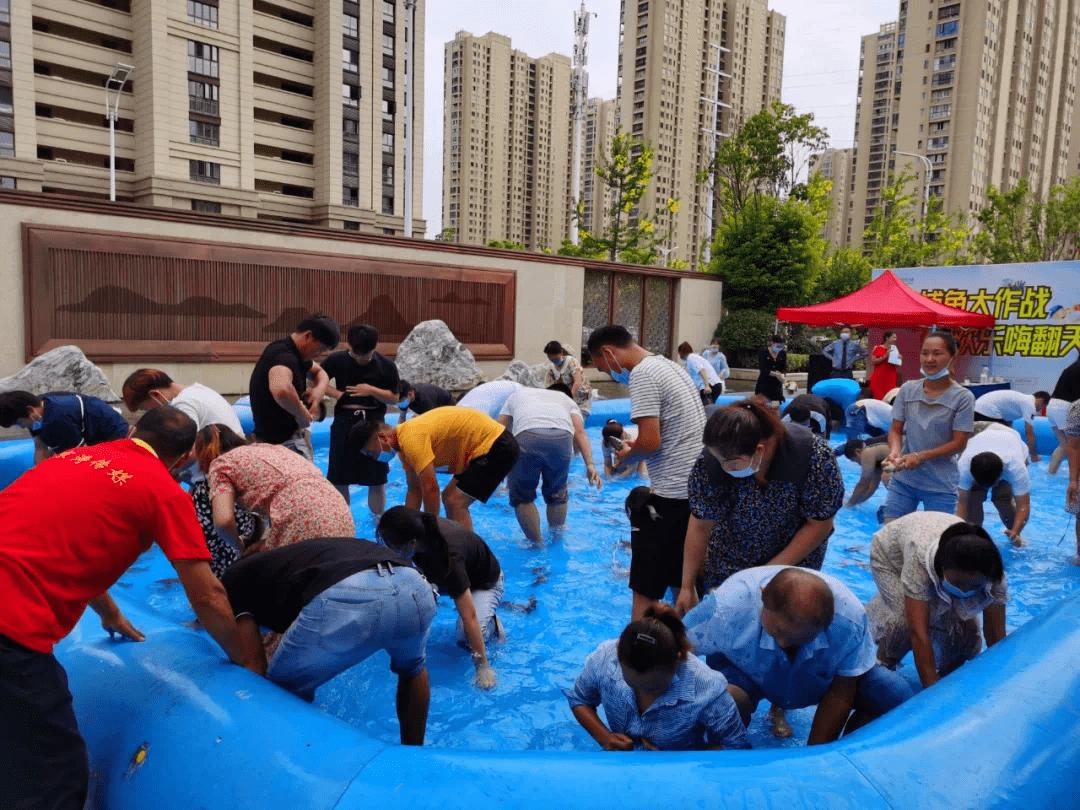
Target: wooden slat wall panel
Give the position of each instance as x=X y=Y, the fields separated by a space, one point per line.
x=131 y=298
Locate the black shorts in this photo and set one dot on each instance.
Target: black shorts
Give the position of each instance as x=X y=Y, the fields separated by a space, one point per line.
x=982 y=417
x=656 y=546
x=43 y=753
x=347 y=465
x=484 y=473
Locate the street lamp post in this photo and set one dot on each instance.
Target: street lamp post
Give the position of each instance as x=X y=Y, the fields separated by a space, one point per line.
x=120 y=75
x=410 y=9
x=926 y=179
x=667 y=252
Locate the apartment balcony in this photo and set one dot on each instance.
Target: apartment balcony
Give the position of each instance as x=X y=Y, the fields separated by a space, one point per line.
x=273 y=98
x=54 y=91
x=288 y=138
x=204 y=106
x=71 y=53
x=282 y=30
x=60 y=134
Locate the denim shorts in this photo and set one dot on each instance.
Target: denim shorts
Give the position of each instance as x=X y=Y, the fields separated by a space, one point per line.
x=544 y=454
x=384 y=608
x=486 y=602
x=903 y=500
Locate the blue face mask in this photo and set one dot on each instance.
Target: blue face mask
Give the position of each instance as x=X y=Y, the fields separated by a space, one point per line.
x=845 y=335
x=622 y=376
x=403 y=404
x=952 y=590
x=386 y=456
x=38 y=425
x=937 y=376
x=746 y=471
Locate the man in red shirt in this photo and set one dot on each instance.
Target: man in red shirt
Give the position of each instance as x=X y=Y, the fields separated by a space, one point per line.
x=70 y=528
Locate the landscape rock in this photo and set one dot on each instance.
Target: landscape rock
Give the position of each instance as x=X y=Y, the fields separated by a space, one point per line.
x=64 y=368
x=431 y=354
x=520 y=372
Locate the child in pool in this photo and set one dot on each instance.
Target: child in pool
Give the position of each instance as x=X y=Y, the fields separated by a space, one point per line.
x=656 y=695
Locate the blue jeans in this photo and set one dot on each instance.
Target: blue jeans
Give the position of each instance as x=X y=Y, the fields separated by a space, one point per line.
x=546 y=453
x=903 y=500
x=486 y=602
x=385 y=608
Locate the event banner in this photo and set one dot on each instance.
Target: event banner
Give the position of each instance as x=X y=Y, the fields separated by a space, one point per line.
x=1037 y=309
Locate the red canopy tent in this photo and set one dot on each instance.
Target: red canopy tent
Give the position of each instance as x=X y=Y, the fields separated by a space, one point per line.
x=886 y=301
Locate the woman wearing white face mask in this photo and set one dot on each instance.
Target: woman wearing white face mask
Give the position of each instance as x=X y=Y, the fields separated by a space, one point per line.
x=564 y=368
x=935 y=575
x=765 y=492
x=932 y=421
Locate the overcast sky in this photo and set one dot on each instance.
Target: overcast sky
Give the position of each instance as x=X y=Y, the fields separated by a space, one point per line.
x=821 y=58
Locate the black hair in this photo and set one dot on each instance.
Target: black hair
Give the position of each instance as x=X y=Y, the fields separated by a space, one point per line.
x=851 y=445
x=800 y=415
x=685 y=348
x=658 y=639
x=967 y=547
x=947 y=336
x=322 y=327
x=554 y=347
x=399 y=525
x=613 y=427
x=781 y=592
x=1043 y=395
x=360 y=434
x=610 y=335
x=562 y=388
x=363 y=338
x=777 y=339
x=213 y=441
x=887 y=334
x=15 y=405
x=404 y=388
x=986 y=468
x=170 y=432
x=737 y=429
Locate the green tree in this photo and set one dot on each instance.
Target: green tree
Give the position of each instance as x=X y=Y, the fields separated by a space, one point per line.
x=626 y=237
x=1019 y=226
x=771 y=252
x=506 y=244
x=899 y=236
x=846 y=270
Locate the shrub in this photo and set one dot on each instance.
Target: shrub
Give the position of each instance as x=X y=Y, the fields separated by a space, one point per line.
x=797 y=361
x=742 y=333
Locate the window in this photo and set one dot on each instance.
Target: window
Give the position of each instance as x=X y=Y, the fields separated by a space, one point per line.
x=350 y=226
x=388 y=78
x=5 y=99
x=387 y=45
x=202 y=59
x=350 y=129
x=350 y=25
x=388 y=205
x=350 y=196
x=388 y=110
x=7 y=144
x=202 y=14
x=388 y=174
x=350 y=95
x=350 y=163
x=206 y=207
x=388 y=143
x=350 y=60
x=204 y=133
x=388 y=11
x=201 y=171
x=948 y=29
x=203 y=98
x=5 y=55
x=8 y=182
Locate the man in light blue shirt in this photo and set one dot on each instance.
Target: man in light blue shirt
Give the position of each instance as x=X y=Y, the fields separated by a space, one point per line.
x=795 y=638
x=844 y=353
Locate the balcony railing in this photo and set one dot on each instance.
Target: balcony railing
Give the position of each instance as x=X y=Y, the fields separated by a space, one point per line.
x=204 y=141
x=203 y=106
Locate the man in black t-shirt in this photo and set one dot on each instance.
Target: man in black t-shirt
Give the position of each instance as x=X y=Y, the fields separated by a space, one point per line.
x=365 y=383
x=338 y=600
x=282 y=404
x=421 y=398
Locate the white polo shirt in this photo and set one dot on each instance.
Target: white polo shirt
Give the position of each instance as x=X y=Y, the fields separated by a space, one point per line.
x=1009 y=405
x=1007 y=445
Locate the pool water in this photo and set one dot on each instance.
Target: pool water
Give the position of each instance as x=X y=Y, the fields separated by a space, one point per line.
x=578 y=579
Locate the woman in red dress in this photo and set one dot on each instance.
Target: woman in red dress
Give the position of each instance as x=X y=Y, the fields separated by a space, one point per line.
x=885 y=360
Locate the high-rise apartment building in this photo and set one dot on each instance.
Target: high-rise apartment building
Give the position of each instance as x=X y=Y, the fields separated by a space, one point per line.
x=836 y=166
x=598 y=133
x=689 y=72
x=985 y=91
x=292 y=111
x=506 y=143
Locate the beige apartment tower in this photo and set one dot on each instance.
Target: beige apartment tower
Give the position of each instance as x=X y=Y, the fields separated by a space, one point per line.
x=690 y=72
x=506 y=143
x=598 y=131
x=291 y=111
x=835 y=165
x=985 y=91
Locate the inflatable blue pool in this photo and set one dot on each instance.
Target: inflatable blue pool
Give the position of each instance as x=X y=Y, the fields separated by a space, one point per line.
x=171 y=724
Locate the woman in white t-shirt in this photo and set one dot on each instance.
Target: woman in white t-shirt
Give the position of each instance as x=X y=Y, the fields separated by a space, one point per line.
x=702 y=373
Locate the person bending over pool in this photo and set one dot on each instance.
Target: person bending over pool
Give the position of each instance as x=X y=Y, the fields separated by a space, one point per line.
x=870 y=458
x=461 y=565
x=656 y=694
x=59 y=422
x=995 y=461
x=421 y=398
x=1006 y=407
x=338 y=600
x=478 y=451
x=935 y=574
x=613 y=435
x=547 y=426
x=796 y=638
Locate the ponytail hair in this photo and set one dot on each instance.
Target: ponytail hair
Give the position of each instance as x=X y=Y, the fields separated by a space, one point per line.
x=400 y=525
x=214 y=440
x=658 y=639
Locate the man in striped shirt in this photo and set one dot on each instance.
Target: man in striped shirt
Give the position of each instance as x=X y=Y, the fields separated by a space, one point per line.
x=665 y=406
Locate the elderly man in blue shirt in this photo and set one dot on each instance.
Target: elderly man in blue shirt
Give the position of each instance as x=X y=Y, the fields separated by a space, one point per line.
x=796 y=638
x=844 y=353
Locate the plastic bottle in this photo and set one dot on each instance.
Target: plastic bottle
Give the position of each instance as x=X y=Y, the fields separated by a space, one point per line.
x=984 y=377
